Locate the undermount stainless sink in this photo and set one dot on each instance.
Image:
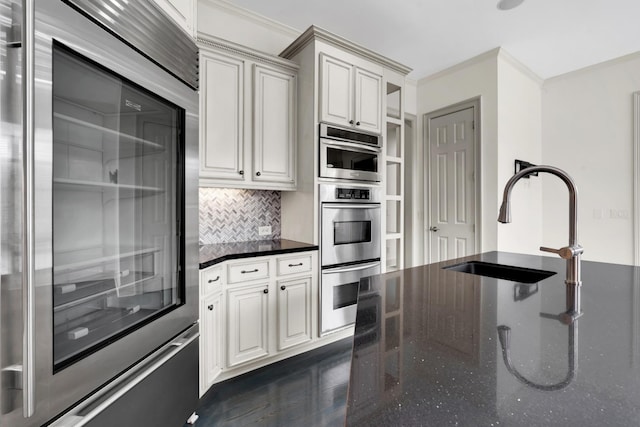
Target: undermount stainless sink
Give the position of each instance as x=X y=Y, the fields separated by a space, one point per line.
x=500 y=271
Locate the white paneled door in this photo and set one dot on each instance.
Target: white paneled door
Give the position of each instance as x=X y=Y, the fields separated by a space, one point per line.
x=451 y=230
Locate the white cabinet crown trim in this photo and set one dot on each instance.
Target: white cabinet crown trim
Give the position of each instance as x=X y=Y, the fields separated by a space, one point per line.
x=317 y=33
x=205 y=41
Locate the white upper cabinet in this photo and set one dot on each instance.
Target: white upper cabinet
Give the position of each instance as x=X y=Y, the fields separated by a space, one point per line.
x=222 y=117
x=183 y=12
x=336 y=105
x=274 y=125
x=350 y=96
x=368 y=100
x=248 y=119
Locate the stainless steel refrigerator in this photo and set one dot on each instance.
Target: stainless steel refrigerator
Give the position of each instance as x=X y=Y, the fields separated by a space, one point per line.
x=98 y=220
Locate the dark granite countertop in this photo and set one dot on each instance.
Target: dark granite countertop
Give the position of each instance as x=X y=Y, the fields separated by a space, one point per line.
x=216 y=253
x=427 y=352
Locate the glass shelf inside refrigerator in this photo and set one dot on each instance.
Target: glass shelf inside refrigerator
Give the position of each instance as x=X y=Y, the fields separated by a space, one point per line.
x=131 y=145
x=119 y=190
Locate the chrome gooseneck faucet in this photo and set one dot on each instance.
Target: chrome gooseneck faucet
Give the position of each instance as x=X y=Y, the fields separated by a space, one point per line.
x=571 y=252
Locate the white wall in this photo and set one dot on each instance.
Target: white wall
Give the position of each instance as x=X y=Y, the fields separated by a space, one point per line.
x=410 y=98
x=519 y=137
x=476 y=77
x=587 y=130
x=230 y=22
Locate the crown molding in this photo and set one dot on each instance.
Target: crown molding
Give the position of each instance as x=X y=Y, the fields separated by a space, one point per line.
x=493 y=53
x=314 y=33
x=601 y=65
x=252 y=16
x=208 y=42
x=503 y=54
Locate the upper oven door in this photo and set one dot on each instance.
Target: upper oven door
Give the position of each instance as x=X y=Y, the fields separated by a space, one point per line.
x=345 y=160
x=115 y=209
x=350 y=233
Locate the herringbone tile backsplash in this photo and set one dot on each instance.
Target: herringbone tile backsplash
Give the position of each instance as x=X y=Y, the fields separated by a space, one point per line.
x=230 y=215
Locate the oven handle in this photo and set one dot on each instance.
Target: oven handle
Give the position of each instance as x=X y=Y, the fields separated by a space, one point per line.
x=349 y=206
x=351 y=146
x=350 y=268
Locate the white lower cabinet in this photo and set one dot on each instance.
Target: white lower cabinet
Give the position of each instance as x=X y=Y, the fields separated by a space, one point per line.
x=210 y=340
x=263 y=309
x=294 y=312
x=248 y=323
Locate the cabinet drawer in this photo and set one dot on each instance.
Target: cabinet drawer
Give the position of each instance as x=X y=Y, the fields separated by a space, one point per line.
x=210 y=280
x=293 y=265
x=248 y=271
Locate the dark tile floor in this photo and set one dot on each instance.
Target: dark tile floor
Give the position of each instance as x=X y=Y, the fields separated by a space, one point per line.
x=308 y=390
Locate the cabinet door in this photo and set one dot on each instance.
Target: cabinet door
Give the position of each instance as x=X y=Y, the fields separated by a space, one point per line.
x=368 y=101
x=336 y=101
x=248 y=311
x=274 y=125
x=294 y=312
x=222 y=118
x=210 y=340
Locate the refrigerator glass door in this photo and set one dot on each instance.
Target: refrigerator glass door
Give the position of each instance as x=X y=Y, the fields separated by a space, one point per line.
x=116 y=206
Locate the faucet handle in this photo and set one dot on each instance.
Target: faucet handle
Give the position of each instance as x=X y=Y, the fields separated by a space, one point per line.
x=566 y=252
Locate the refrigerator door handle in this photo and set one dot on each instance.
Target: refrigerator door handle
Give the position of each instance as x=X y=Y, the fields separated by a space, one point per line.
x=28 y=270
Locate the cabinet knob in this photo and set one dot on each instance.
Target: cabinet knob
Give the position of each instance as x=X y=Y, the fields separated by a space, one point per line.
x=357 y=123
x=266 y=291
x=214 y=280
x=283 y=287
x=295 y=265
x=241 y=172
x=255 y=270
x=350 y=122
x=210 y=307
x=258 y=174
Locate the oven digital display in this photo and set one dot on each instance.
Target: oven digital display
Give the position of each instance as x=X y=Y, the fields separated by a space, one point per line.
x=350 y=232
x=353 y=193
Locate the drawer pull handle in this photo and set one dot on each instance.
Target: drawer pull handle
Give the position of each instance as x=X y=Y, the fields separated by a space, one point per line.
x=210 y=307
x=214 y=280
x=266 y=291
x=295 y=265
x=255 y=270
x=283 y=287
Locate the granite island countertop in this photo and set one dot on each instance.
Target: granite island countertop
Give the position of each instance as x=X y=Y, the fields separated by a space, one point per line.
x=427 y=353
x=215 y=253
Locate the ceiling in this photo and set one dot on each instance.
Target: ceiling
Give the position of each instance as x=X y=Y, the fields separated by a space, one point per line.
x=551 y=37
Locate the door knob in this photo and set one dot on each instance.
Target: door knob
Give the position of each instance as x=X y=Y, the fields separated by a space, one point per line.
x=434 y=229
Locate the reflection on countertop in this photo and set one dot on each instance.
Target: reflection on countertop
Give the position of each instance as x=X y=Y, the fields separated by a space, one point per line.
x=219 y=252
x=430 y=353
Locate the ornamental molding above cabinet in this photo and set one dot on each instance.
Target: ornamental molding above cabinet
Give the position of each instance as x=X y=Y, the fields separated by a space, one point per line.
x=314 y=33
x=208 y=41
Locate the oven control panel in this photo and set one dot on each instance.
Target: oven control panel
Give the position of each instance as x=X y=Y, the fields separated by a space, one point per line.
x=353 y=194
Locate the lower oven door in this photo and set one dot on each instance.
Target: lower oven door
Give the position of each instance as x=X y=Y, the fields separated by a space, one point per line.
x=339 y=294
x=350 y=232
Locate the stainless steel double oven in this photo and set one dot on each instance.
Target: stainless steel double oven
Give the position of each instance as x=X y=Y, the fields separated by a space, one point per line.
x=350 y=248
x=98 y=152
